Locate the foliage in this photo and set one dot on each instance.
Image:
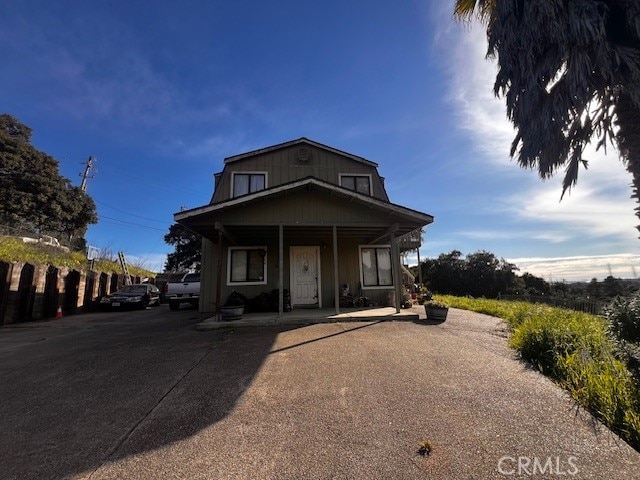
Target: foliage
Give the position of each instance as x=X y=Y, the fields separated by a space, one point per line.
x=436 y=304
x=14 y=250
x=533 y=285
x=575 y=350
x=624 y=318
x=569 y=73
x=623 y=315
x=478 y=274
x=188 y=246
x=33 y=194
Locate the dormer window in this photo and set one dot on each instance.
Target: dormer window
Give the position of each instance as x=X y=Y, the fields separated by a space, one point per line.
x=357 y=183
x=248 y=182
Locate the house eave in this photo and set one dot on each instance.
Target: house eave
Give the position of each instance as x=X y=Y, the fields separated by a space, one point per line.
x=310 y=182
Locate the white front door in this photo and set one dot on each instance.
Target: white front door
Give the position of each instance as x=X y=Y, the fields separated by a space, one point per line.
x=305 y=275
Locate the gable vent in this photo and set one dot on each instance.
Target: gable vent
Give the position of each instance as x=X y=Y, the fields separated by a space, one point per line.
x=304 y=154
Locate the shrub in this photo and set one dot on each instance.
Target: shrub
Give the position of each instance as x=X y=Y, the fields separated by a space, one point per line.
x=623 y=315
x=549 y=335
x=436 y=304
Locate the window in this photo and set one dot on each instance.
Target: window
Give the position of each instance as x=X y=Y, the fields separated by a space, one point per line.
x=375 y=266
x=247 y=266
x=357 y=183
x=245 y=183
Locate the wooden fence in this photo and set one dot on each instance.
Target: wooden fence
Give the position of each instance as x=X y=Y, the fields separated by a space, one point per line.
x=34 y=292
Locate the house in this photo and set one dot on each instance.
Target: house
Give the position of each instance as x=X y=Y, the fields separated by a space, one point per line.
x=304 y=217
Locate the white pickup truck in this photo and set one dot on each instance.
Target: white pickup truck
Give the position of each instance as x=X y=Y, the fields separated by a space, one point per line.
x=186 y=290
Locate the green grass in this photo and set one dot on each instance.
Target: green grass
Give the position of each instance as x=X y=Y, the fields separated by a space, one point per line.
x=14 y=250
x=576 y=351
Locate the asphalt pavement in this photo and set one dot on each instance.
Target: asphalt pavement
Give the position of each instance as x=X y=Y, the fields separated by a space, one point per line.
x=144 y=395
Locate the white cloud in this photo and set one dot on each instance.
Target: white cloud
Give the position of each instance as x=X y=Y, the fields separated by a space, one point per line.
x=580 y=267
x=478 y=111
x=550 y=236
x=598 y=206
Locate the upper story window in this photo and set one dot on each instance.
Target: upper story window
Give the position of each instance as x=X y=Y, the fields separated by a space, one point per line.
x=248 y=182
x=357 y=183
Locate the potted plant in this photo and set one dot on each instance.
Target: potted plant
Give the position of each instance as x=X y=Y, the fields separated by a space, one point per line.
x=436 y=310
x=231 y=312
x=233 y=308
x=425 y=296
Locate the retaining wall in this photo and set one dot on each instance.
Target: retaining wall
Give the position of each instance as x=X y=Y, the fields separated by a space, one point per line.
x=34 y=292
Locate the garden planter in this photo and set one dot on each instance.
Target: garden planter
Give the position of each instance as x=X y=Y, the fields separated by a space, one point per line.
x=231 y=313
x=436 y=314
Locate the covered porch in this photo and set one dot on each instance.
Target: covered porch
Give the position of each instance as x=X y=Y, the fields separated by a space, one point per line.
x=321 y=315
x=312 y=237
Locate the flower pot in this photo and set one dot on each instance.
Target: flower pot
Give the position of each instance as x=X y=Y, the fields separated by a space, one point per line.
x=231 y=313
x=436 y=314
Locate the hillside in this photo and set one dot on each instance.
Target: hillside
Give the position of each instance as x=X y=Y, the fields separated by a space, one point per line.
x=14 y=250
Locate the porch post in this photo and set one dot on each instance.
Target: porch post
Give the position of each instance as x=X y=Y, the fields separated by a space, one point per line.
x=219 y=275
x=280 y=270
x=336 y=285
x=395 y=271
x=419 y=269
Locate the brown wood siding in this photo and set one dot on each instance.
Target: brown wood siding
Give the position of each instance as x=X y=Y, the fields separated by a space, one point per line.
x=282 y=166
x=304 y=207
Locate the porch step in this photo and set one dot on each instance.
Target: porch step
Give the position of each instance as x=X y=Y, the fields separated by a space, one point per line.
x=309 y=318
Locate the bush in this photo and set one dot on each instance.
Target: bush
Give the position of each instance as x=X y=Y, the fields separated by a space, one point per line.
x=623 y=315
x=549 y=335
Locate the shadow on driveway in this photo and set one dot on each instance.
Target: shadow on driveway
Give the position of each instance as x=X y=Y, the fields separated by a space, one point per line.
x=75 y=398
x=70 y=397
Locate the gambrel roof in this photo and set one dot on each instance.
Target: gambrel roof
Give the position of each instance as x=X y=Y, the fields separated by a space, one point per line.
x=300 y=141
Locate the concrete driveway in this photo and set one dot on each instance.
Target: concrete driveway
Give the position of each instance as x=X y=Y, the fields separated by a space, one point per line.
x=144 y=395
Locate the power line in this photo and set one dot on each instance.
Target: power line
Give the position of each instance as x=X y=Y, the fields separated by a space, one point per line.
x=132 y=223
x=132 y=214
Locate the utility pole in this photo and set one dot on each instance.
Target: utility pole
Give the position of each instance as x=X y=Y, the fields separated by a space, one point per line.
x=85 y=176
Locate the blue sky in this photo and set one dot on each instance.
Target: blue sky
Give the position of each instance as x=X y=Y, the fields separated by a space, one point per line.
x=161 y=92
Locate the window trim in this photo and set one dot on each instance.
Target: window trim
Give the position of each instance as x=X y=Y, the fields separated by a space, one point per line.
x=252 y=247
x=368 y=175
x=376 y=287
x=233 y=181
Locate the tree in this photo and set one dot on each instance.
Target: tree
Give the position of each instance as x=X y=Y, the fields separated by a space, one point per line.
x=445 y=273
x=535 y=285
x=479 y=274
x=569 y=72
x=593 y=288
x=612 y=286
x=188 y=247
x=34 y=196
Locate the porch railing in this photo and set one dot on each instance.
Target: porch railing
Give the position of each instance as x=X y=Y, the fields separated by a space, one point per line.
x=410 y=241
